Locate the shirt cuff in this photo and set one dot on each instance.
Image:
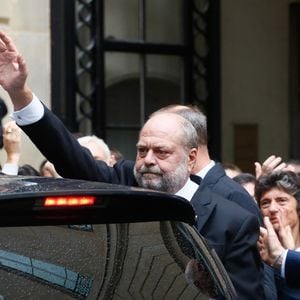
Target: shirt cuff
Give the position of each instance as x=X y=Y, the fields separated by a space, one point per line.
x=29 y=114
x=10 y=169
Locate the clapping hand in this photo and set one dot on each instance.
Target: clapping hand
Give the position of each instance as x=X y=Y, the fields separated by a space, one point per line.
x=271 y=244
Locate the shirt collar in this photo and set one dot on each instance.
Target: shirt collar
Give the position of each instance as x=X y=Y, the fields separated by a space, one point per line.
x=188 y=190
x=205 y=170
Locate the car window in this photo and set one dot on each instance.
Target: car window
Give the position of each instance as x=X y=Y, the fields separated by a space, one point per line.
x=154 y=260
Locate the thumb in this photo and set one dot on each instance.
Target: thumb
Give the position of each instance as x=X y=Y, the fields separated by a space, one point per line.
x=257 y=169
x=21 y=64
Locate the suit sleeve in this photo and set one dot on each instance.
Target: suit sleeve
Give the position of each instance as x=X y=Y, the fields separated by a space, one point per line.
x=71 y=160
x=292 y=269
x=245 y=201
x=269 y=283
x=244 y=262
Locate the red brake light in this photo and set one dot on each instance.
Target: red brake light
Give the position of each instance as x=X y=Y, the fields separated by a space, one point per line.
x=70 y=201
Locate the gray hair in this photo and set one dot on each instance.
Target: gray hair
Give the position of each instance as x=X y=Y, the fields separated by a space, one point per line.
x=94 y=139
x=191 y=113
x=189 y=134
x=190 y=137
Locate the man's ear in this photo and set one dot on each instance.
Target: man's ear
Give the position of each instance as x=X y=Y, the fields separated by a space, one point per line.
x=192 y=158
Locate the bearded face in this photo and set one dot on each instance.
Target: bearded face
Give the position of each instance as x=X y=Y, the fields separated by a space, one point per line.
x=164 y=159
x=153 y=177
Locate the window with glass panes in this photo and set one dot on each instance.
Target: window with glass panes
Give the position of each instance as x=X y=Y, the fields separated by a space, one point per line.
x=116 y=61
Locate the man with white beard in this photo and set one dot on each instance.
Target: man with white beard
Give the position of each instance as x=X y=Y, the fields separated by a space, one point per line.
x=166 y=155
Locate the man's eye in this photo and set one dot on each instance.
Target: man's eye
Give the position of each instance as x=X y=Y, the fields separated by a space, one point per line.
x=282 y=201
x=142 y=152
x=264 y=204
x=161 y=153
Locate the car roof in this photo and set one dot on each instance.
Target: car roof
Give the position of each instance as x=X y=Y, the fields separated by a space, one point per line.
x=22 y=202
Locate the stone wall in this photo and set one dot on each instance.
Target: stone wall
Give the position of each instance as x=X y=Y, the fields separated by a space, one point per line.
x=27 y=22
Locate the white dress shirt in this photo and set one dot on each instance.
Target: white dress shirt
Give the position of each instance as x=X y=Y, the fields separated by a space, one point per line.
x=205 y=170
x=10 y=169
x=188 y=190
x=29 y=114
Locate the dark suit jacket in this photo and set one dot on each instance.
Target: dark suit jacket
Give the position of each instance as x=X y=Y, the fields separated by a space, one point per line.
x=71 y=160
x=232 y=232
x=229 y=229
x=292 y=269
x=217 y=180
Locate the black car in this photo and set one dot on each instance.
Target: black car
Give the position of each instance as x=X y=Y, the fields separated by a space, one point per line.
x=74 y=239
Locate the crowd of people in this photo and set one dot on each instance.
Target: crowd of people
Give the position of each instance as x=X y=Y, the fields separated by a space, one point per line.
x=250 y=220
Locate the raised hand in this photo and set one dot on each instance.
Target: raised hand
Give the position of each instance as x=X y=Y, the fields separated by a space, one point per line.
x=268 y=243
x=271 y=164
x=13 y=73
x=284 y=231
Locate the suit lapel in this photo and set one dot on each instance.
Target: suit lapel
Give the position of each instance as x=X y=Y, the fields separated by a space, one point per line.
x=213 y=175
x=203 y=205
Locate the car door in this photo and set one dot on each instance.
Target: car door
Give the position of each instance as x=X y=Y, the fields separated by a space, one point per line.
x=151 y=260
x=70 y=239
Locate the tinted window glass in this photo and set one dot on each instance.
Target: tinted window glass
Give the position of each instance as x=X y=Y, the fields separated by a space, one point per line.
x=158 y=260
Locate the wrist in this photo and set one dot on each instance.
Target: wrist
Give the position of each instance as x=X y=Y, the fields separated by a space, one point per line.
x=277 y=262
x=21 y=97
x=13 y=159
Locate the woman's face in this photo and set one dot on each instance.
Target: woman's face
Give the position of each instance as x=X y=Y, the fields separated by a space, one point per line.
x=279 y=205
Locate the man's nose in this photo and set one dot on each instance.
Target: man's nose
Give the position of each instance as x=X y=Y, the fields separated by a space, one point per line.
x=149 y=158
x=273 y=207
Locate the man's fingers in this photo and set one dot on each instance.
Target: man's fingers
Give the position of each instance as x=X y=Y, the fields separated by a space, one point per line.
x=269 y=226
x=274 y=162
x=263 y=231
x=280 y=167
x=22 y=64
x=2 y=47
x=8 y=42
x=257 y=169
x=283 y=217
x=269 y=160
x=271 y=163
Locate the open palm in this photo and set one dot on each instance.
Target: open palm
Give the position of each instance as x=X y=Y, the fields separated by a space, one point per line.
x=13 y=71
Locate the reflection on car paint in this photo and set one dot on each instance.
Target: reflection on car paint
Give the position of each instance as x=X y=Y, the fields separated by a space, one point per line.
x=6 y=185
x=84 y=227
x=152 y=266
x=53 y=274
x=195 y=270
x=153 y=260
